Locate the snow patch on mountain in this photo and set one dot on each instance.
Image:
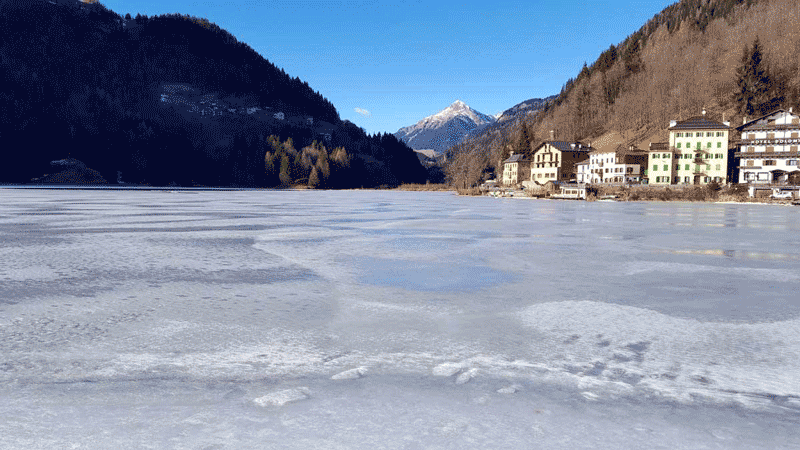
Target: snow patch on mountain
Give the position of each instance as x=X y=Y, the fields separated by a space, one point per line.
x=445 y=128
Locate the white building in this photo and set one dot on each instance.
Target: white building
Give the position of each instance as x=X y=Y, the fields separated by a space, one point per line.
x=768 y=151
x=697 y=153
x=613 y=166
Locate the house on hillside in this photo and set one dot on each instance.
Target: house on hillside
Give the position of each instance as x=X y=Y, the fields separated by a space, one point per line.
x=697 y=153
x=558 y=161
x=768 y=150
x=516 y=169
x=617 y=165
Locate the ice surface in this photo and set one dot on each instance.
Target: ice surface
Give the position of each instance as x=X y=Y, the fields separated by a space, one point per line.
x=195 y=319
x=352 y=374
x=283 y=397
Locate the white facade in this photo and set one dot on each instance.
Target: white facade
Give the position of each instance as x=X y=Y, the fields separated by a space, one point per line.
x=768 y=152
x=611 y=167
x=583 y=174
x=697 y=153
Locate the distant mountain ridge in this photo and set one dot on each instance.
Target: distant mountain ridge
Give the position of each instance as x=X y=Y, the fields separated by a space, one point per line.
x=528 y=106
x=445 y=128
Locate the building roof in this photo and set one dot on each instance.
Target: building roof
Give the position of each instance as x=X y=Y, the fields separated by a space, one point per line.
x=620 y=150
x=516 y=158
x=565 y=146
x=751 y=122
x=659 y=146
x=699 y=123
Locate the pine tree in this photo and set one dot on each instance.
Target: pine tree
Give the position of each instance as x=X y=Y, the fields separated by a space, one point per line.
x=313 y=179
x=524 y=141
x=753 y=81
x=285 y=176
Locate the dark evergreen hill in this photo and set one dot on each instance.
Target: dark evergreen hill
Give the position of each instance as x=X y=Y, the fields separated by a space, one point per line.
x=167 y=99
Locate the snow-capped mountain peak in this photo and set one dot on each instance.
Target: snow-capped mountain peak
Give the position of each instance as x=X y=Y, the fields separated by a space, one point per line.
x=445 y=128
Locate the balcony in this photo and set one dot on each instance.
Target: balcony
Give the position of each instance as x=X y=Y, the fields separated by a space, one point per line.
x=768 y=154
x=774 y=141
x=793 y=126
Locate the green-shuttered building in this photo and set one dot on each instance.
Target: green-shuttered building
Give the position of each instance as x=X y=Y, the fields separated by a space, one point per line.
x=697 y=153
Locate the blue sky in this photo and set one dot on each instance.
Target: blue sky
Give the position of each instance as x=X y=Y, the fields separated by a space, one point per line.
x=385 y=65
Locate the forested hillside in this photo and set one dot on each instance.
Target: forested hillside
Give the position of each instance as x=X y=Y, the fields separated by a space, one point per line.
x=167 y=99
x=692 y=55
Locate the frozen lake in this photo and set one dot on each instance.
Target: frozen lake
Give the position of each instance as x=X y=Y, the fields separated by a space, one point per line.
x=394 y=320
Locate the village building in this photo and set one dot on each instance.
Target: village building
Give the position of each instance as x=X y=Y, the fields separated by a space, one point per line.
x=768 y=150
x=516 y=169
x=697 y=153
x=557 y=161
x=573 y=191
x=583 y=173
x=614 y=166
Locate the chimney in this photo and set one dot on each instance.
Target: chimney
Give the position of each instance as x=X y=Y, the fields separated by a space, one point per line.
x=573 y=145
x=552 y=135
x=672 y=123
x=790 y=110
x=744 y=120
x=704 y=111
x=512 y=153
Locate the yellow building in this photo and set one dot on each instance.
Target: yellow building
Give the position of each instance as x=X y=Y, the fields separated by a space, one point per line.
x=697 y=153
x=515 y=169
x=557 y=161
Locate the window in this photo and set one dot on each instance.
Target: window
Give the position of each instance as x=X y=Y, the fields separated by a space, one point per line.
x=769 y=162
x=791 y=162
x=666 y=168
x=687 y=167
x=705 y=179
x=718 y=167
x=763 y=176
x=709 y=134
x=719 y=144
x=751 y=149
x=679 y=145
x=655 y=167
x=678 y=134
x=749 y=176
x=685 y=179
x=792 y=148
x=656 y=155
x=751 y=136
x=720 y=134
x=770 y=149
x=770 y=135
x=699 y=145
x=665 y=156
x=677 y=166
x=795 y=120
x=750 y=163
x=794 y=135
